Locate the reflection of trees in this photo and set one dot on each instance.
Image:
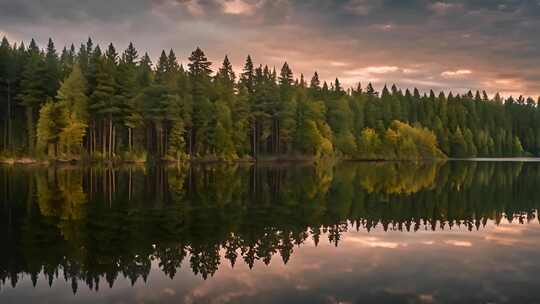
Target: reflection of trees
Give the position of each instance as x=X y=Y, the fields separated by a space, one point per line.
x=98 y=223
x=397 y=177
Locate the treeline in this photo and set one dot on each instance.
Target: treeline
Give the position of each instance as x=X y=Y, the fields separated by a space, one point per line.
x=96 y=224
x=105 y=104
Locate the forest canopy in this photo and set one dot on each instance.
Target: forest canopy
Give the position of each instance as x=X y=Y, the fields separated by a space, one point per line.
x=99 y=103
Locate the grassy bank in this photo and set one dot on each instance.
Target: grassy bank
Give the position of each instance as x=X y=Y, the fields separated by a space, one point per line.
x=292 y=158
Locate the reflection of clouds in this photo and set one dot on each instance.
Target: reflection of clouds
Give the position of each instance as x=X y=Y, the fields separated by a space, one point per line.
x=374 y=242
x=458 y=243
x=355 y=270
x=426 y=298
x=169 y=291
x=238 y=285
x=510 y=235
x=334 y=300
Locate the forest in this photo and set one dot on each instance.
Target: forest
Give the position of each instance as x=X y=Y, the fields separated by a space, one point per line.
x=104 y=104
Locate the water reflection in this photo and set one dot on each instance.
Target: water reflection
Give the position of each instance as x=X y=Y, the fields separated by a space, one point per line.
x=92 y=226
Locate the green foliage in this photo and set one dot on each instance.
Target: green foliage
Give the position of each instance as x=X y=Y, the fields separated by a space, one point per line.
x=222 y=143
x=113 y=104
x=400 y=141
x=49 y=127
x=72 y=95
x=74 y=104
x=71 y=136
x=177 y=144
x=369 y=144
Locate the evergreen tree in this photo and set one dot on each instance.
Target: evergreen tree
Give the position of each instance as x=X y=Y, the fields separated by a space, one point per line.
x=458 y=144
x=247 y=78
x=199 y=72
x=121 y=104
x=104 y=105
x=52 y=73
x=32 y=92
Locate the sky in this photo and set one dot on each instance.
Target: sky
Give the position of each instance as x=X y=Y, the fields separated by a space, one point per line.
x=450 y=45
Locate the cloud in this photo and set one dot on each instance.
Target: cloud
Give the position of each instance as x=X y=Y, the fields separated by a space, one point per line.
x=194 y=7
x=383 y=27
x=456 y=73
x=332 y=37
x=338 y=63
x=444 y=7
x=367 y=71
x=237 y=7
x=381 y=69
x=359 y=7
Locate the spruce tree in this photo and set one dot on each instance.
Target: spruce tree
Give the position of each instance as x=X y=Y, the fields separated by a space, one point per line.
x=199 y=73
x=52 y=73
x=32 y=92
x=247 y=78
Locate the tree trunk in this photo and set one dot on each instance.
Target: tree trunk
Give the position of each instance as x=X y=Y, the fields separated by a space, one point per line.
x=165 y=144
x=254 y=139
x=278 y=149
x=130 y=184
x=191 y=142
x=161 y=141
x=9 y=136
x=129 y=140
x=114 y=140
x=103 y=138
x=94 y=131
x=5 y=134
x=110 y=136
x=30 y=129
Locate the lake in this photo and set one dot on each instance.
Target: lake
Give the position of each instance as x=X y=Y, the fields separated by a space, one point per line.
x=351 y=232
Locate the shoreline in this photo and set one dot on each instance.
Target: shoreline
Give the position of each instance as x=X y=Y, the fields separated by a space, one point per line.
x=28 y=161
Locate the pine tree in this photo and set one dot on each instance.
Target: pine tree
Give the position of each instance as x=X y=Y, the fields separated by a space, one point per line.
x=32 y=90
x=52 y=70
x=104 y=104
x=130 y=55
x=127 y=89
x=199 y=72
x=67 y=59
x=225 y=82
x=222 y=143
x=283 y=112
x=7 y=81
x=247 y=79
x=175 y=111
x=315 y=86
x=162 y=68
x=458 y=144
x=144 y=72
x=241 y=117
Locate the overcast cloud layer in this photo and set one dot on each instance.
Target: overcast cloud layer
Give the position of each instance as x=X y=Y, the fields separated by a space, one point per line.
x=441 y=45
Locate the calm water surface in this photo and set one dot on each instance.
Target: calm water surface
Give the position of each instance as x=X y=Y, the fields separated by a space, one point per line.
x=455 y=232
